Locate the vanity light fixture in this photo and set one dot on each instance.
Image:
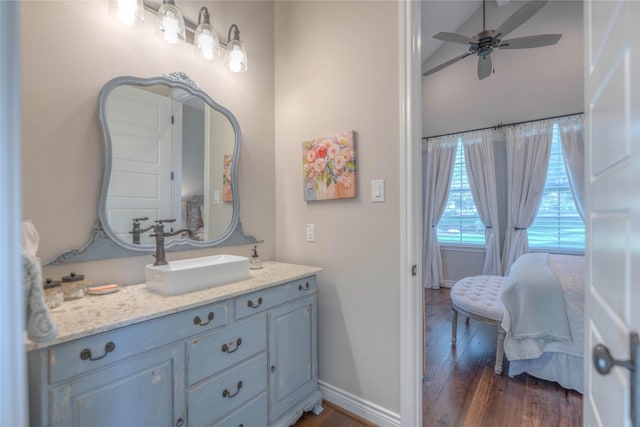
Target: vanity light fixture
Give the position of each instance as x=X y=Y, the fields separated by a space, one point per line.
x=236 y=56
x=128 y=12
x=173 y=27
x=170 y=22
x=206 y=38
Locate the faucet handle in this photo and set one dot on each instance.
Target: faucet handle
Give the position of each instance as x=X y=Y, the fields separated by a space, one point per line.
x=161 y=221
x=140 y=219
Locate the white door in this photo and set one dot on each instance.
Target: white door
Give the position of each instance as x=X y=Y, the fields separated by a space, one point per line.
x=141 y=171
x=612 y=82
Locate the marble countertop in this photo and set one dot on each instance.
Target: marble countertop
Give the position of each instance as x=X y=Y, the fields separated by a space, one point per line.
x=135 y=303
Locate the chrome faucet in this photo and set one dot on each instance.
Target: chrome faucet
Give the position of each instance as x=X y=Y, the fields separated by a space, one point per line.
x=160 y=234
x=138 y=230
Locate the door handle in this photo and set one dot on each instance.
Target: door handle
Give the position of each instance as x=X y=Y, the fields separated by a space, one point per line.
x=603 y=363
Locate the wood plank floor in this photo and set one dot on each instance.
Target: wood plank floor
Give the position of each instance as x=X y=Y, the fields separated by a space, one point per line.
x=461 y=389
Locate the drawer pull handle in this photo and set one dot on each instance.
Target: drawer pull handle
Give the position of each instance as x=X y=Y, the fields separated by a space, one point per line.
x=198 y=321
x=108 y=348
x=227 y=393
x=180 y=422
x=251 y=304
x=273 y=368
x=303 y=288
x=226 y=349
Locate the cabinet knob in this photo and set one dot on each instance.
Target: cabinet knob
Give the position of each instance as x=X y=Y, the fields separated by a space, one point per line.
x=273 y=368
x=180 y=422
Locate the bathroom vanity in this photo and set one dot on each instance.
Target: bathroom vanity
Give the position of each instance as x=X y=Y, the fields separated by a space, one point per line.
x=241 y=354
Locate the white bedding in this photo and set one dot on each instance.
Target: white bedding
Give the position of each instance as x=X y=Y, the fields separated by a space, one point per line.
x=559 y=361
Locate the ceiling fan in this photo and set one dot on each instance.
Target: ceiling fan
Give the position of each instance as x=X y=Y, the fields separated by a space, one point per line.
x=483 y=43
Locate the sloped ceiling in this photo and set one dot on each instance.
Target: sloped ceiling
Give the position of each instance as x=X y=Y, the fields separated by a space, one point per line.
x=443 y=15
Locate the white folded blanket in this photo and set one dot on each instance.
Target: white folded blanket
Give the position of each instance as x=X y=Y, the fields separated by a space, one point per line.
x=533 y=296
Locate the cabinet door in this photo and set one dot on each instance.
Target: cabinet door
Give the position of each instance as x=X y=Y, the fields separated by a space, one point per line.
x=145 y=391
x=292 y=354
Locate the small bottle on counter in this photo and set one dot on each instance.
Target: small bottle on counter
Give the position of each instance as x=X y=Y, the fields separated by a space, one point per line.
x=74 y=286
x=53 y=296
x=254 y=262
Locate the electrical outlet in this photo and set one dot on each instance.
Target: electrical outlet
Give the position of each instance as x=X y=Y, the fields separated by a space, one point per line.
x=311 y=232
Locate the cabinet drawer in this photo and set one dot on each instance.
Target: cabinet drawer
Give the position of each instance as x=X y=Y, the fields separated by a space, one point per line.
x=94 y=352
x=253 y=414
x=246 y=305
x=225 y=393
x=214 y=352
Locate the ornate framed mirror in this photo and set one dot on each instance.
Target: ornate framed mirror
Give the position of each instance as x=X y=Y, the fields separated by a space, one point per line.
x=170 y=152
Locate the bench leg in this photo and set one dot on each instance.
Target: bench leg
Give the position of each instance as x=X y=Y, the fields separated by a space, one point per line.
x=500 y=350
x=454 y=327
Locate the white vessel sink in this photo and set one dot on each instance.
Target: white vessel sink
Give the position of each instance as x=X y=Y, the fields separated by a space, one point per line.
x=188 y=275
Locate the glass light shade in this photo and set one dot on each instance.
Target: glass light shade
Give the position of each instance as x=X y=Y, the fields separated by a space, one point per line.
x=206 y=42
x=128 y=12
x=171 y=23
x=236 y=57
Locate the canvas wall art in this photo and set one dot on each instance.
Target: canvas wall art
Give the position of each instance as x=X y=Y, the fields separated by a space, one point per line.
x=227 y=190
x=329 y=167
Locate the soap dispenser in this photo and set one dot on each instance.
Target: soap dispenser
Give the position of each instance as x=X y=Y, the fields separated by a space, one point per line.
x=255 y=263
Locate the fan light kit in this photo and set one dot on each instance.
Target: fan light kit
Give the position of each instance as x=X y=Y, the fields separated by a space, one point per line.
x=173 y=28
x=484 y=43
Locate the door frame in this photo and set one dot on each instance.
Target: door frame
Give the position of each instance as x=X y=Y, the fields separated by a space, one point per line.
x=411 y=299
x=13 y=411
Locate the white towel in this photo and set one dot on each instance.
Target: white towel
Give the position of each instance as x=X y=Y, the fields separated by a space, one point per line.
x=39 y=325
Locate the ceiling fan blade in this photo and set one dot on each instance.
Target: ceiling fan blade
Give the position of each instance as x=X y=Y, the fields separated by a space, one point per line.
x=485 y=66
x=446 y=64
x=453 y=37
x=519 y=17
x=530 y=41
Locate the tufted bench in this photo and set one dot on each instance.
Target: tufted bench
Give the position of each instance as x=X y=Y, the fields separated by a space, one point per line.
x=478 y=297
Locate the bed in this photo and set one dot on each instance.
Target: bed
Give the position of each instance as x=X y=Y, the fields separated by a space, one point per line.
x=544 y=318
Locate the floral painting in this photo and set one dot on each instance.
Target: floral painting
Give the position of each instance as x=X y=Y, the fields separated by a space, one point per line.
x=227 y=193
x=329 y=167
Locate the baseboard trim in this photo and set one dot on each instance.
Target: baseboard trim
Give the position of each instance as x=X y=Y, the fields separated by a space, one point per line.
x=448 y=283
x=360 y=407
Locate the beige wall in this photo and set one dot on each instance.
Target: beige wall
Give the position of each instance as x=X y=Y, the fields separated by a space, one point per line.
x=65 y=62
x=337 y=68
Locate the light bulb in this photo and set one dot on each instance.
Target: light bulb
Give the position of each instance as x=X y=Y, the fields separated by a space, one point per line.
x=170 y=23
x=205 y=46
x=235 y=59
x=171 y=28
x=128 y=12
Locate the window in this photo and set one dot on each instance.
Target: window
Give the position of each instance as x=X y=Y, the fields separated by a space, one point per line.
x=558 y=225
x=460 y=222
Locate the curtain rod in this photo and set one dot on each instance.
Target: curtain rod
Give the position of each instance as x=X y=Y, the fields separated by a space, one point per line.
x=500 y=126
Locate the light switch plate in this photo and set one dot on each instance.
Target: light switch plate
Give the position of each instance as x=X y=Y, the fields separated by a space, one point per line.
x=311 y=232
x=216 y=197
x=377 y=190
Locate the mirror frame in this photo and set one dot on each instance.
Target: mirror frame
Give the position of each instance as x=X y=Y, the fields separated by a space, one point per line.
x=103 y=242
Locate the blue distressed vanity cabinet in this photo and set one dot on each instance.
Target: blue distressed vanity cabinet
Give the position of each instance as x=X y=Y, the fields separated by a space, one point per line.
x=246 y=360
